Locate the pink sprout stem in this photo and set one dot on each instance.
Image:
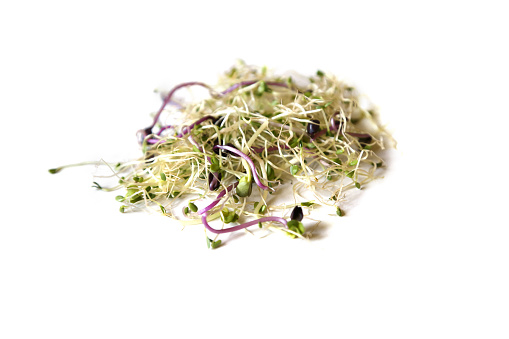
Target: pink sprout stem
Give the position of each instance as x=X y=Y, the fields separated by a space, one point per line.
x=249 y=161
x=359 y=135
x=241 y=226
x=318 y=134
x=218 y=198
x=251 y=82
x=186 y=129
x=164 y=128
x=170 y=94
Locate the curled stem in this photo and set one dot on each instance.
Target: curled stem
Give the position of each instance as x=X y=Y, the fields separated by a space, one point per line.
x=248 y=160
x=241 y=226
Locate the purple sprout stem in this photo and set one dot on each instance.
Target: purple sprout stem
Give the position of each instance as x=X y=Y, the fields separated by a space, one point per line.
x=170 y=94
x=164 y=128
x=218 y=198
x=241 y=226
x=168 y=97
x=186 y=129
x=359 y=135
x=249 y=161
x=318 y=134
x=251 y=82
x=333 y=125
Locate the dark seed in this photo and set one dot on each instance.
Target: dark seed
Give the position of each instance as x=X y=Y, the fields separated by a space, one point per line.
x=142 y=134
x=214 y=180
x=366 y=140
x=313 y=127
x=297 y=213
x=219 y=121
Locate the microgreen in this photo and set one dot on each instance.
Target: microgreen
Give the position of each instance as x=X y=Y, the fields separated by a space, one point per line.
x=256 y=130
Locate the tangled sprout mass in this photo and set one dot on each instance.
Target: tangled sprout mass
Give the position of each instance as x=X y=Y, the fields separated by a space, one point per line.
x=255 y=133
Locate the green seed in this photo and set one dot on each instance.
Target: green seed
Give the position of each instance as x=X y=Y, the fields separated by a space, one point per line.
x=136 y=198
x=270 y=172
x=131 y=191
x=122 y=209
x=353 y=162
x=339 y=151
x=119 y=198
x=320 y=73
x=294 y=169
x=54 y=170
x=163 y=176
x=244 y=187
x=186 y=210
x=193 y=207
x=163 y=210
x=262 y=88
x=358 y=185
x=307 y=204
x=216 y=244
x=296 y=226
x=214 y=168
x=339 y=212
x=229 y=218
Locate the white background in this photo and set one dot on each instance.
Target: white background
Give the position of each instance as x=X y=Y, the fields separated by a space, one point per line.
x=422 y=253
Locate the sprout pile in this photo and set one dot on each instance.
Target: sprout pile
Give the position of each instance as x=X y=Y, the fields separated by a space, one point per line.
x=223 y=160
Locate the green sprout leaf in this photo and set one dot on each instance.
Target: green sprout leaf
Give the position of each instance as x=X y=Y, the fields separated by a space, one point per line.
x=294 y=169
x=262 y=88
x=296 y=226
x=193 y=207
x=339 y=212
x=270 y=172
x=244 y=187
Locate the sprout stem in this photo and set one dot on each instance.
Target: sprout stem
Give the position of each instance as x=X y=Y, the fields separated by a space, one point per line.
x=248 y=160
x=241 y=226
x=218 y=198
